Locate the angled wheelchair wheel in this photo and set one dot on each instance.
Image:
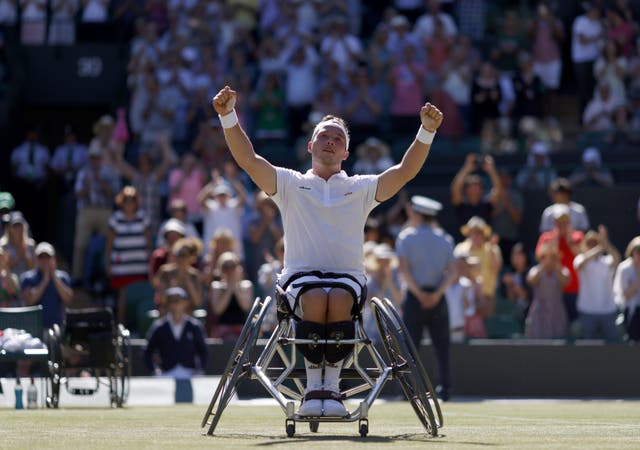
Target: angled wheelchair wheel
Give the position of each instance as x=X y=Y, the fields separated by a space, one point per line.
x=407 y=368
x=120 y=372
x=54 y=367
x=239 y=365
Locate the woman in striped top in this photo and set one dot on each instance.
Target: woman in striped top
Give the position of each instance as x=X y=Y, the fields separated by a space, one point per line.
x=128 y=245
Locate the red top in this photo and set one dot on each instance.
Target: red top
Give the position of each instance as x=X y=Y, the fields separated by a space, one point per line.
x=566 y=256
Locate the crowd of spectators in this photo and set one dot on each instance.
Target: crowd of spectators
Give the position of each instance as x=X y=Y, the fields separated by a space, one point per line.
x=154 y=197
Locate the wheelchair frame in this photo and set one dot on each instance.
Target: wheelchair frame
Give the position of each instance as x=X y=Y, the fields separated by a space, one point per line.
x=402 y=363
x=113 y=371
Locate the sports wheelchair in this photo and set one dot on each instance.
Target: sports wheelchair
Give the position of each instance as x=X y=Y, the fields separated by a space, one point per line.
x=90 y=344
x=275 y=368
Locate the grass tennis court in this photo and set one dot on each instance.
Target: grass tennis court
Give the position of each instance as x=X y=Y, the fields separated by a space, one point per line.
x=500 y=424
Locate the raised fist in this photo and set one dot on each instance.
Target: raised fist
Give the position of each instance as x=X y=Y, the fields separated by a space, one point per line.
x=225 y=101
x=431 y=117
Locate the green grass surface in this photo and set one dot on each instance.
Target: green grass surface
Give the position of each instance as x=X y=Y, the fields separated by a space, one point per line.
x=490 y=424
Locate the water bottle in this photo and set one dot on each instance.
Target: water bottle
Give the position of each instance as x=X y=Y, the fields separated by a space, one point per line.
x=32 y=395
x=18 y=392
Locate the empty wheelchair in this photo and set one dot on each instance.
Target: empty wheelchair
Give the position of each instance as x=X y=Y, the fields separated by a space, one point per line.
x=92 y=349
x=275 y=367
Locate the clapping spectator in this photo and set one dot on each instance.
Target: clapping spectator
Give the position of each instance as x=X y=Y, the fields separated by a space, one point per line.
x=46 y=285
x=547 y=317
x=9 y=282
x=611 y=68
x=486 y=96
x=18 y=245
x=372 y=157
x=406 y=79
x=68 y=158
x=363 y=105
x=177 y=211
x=596 y=265
x=172 y=230
x=231 y=297
x=33 y=19
x=509 y=43
x=547 y=34
x=339 y=45
x=591 y=173
x=467 y=192
x=425 y=24
x=604 y=112
x=95 y=11
x=62 y=27
x=561 y=192
x=105 y=142
x=626 y=289
x=177 y=339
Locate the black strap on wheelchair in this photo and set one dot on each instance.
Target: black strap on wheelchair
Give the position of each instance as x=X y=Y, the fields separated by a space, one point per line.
x=323 y=395
x=356 y=311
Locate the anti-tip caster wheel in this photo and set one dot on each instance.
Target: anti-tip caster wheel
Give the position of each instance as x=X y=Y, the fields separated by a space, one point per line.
x=313 y=426
x=291 y=428
x=363 y=428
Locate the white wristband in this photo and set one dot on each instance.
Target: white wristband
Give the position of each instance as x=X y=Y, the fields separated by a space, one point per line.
x=229 y=120
x=425 y=136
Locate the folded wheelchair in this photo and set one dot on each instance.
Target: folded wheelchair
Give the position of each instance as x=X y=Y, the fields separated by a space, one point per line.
x=366 y=371
x=89 y=351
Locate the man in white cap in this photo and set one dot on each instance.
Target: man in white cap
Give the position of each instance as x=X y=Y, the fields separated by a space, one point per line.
x=324 y=212
x=561 y=192
x=425 y=253
x=591 y=173
x=47 y=286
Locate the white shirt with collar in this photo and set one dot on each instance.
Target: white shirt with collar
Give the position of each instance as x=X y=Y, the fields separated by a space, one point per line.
x=324 y=220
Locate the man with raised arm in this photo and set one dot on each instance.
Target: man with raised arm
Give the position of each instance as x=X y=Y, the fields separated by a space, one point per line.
x=324 y=213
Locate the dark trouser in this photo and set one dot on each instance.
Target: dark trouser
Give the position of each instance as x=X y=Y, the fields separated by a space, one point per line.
x=570 y=300
x=437 y=321
x=586 y=82
x=632 y=324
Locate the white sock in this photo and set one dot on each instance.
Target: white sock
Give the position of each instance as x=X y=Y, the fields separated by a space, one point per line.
x=314 y=376
x=332 y=376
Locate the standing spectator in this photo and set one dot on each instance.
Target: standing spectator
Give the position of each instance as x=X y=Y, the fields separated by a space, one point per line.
x=514 y=280
x=596 y=267
x=147 y=178
x=426 y=23
x=425 y=254
x=265 y=230
x=68 y=158
x=105 y=142
x=95 y=189
x=400 y=35
x=591 y=173
x=372 y=157
x=62 y=27
x=611 y=68
x=300 y=86
x=221 y=209
x=18 y=245
x=567 y=241
x=621 y=30
x=221 y=242
x=626 y=288
x=547 y=318
x=529 y=90
x=547 y=34
x=29 y=162
x=457 y=75
x=178 y=339
x=605 y=112
x=185 y=182
x=561 y=192
x=363 y=105
x=508 y=44
x=182 y=273
x=33 y=20
x=486 y=96
x=8 y=12
x=339 y=45
x=586 y=38
x=506 y=215
x=172 y=230
x=46 y=285
x=95 y=11
x=9 y=283
x=538 y=173
x=128 y=245
x=467 y=193
x=231 y=297
x=479 y=243
x=407 y=81
x=268 y=105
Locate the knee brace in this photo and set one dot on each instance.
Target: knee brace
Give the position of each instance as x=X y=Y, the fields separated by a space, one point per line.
x=339 y=330
x=311 y=330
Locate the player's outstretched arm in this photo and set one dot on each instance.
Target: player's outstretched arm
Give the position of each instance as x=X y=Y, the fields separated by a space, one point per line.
x=259 y=169
x=394 y=178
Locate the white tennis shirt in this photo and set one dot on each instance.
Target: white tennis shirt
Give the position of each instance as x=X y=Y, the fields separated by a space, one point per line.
x=324 y=220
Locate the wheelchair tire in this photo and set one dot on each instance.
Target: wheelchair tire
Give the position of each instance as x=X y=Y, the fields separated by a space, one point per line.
x=120 y=373
x=239 y=365
x=407 y=368
x=54 y=367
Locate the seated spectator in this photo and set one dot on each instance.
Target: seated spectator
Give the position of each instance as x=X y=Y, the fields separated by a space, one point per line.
x=363 y=105
x=231 y=298
x=177 y=211
x=372 y=157
x=561 y=191
x=486 y=97
x=596 y=265
x=547 y=317
x=47 y=286
x=626 y=289
x=547 y=34
x=9 y=283
x=514 y=280
x=222 y=242
x=567 y=240
x=467 y=193
x=179 y=272
x=464 y=288
x=480 y=244
x=538 y=173
x=17 y=243
x=173 y=230
x=175 y=343
x=591 y=173
x=425 y=24
x=604 y=112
